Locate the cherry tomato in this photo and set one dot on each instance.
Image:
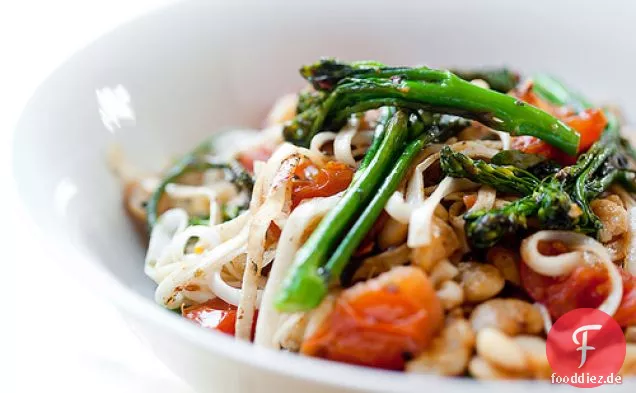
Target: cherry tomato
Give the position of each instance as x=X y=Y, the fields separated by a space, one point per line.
x=527 y=95
x=214 y=314
x=311 y=182
x=532 y=145
x=382 y=322
x=247 y=158
x=586 y=287
x=626 y=313
x=589 y=124
x=469 y=200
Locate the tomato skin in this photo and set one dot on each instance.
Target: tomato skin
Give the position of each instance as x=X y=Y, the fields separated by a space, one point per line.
x=380 y=323
x=469 y=200
x=586 y=287
x=247 y=158
x=532 y=145
x=589 y=124
x=311 y=182
x=626 y=313
x=214 y=314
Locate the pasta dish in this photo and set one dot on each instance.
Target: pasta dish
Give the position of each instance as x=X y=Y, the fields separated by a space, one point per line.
x=403 y=218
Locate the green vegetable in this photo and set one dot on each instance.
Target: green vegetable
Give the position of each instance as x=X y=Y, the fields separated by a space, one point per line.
x=305 y=284
x=196 y=220
x=517 y=158
x=308 y=98
x=198 y=160
x=500 y=79
x=191 y=162
x=485 y=228
x=561 y=201
x=236 y=173
x=329 y=248
x=627 y=178
x=600 y=152
x=422 y=88
x=347 y=247
x=326 y=73
x=503 y=178
x=378 y=137
x=230 y=212
x=552 y=90
x=536 y=164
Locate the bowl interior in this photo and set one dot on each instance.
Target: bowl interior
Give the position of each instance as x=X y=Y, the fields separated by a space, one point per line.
x=193 y=69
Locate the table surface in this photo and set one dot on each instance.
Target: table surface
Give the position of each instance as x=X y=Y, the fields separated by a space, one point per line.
x=73 y=340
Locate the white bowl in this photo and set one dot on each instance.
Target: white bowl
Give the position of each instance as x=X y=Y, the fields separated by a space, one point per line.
x=192 y=69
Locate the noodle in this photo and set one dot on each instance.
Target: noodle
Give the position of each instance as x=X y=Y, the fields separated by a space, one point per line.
x=300 y=221
x=276 y=206
x=407 y=264
x=348 y=143
x=563 y=264
x=545 y=315
x=421 y=219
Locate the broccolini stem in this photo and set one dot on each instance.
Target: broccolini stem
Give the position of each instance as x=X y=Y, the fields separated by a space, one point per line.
x=561 y=201
x=305 y=285
x=556 y=93
x=191 y=162
x=627 y=178
x=196 y=161
x=485 y=228
x=499 y=79
x=341 y=256
x=503 y=178
x=600 y=152
x=441 y=92
x=326 y=73
x=378 y=136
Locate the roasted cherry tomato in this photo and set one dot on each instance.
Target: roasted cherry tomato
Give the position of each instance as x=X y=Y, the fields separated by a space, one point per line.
x=382 y=322
x=247 y=158
x=589 y=124
x=469 y=200
x=626 y=313
x=586 y=287
x=311 y=182
x=215 y=314
x=532 y=145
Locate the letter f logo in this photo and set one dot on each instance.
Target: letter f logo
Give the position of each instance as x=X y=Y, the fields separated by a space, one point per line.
x=583 y=344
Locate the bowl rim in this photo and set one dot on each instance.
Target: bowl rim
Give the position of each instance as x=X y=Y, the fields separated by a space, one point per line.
x=85 y=267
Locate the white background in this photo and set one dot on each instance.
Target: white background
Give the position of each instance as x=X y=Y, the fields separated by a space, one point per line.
x=56 y=334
